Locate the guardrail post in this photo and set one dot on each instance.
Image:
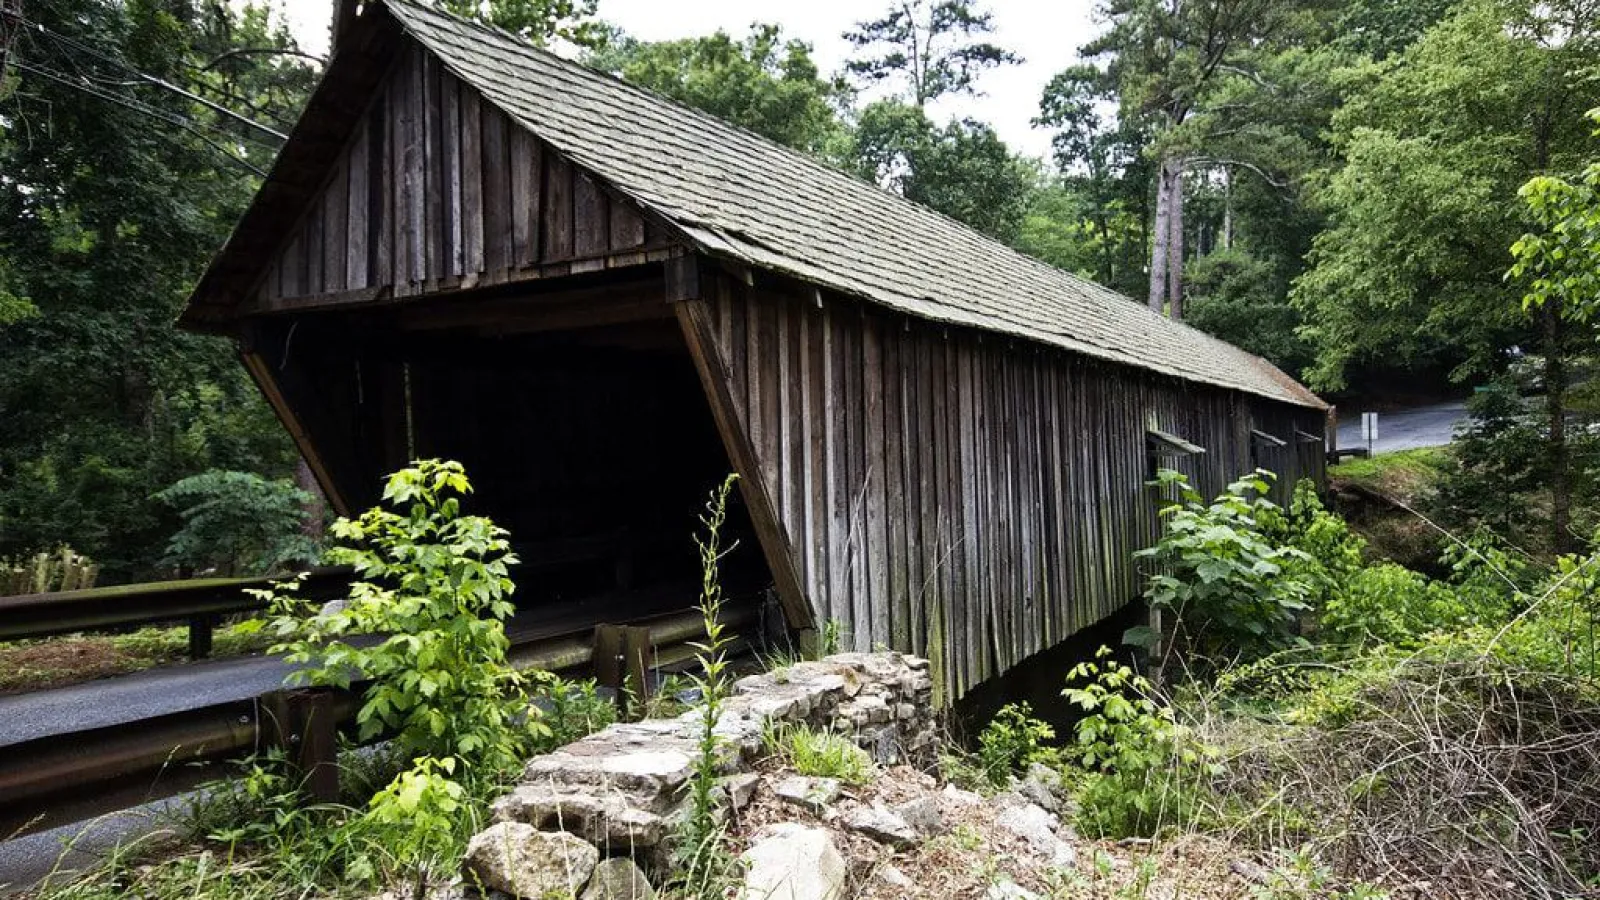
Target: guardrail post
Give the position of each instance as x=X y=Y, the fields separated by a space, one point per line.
x=621 y=659
x=200 y=629
x=305 y=724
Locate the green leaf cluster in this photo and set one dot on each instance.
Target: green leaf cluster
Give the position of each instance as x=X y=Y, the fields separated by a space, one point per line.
x=1217 y=568
x=434 y=584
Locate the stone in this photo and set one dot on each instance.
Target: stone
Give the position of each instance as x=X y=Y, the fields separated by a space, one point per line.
x=882 y=825
x=1037 y=826
x=923 y=815
x=740 y=789
x=812 y=794
x=790 y=861
x=961 y=797
x=618 y=878
x=893 y=877
x=1006 y=889
x=522 y=861
x=606 y=818
x=1042 y=786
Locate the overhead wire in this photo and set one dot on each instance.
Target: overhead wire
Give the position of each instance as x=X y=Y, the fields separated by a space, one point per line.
x=166 y=116
x=153 y=80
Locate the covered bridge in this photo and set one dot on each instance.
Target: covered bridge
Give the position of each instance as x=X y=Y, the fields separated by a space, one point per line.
x=601 y=302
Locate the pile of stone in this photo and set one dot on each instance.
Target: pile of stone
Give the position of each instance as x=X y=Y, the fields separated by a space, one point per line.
x=595 y=819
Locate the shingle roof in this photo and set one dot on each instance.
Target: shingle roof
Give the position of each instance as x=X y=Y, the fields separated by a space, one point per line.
x=742 y=196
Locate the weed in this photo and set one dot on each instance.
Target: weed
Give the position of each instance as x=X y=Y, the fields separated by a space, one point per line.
x=702 y=859
x=819 y=754
x=1011 y=741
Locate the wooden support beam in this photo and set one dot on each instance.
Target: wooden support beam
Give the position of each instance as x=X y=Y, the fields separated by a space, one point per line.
x=695 y=319
x=261 y=374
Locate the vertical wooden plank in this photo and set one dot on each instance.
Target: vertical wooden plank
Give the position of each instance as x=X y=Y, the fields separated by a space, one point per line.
x=782 y=427
x=315 y=238
x=894 y=552
x=293 y=265
x=436 y=259
x=873 y=450
x=591 y=230
x=358 y=199
x=380 y=197
x=399 y=261
x=627 y=226
x=451 y=232
x=416 y=171
x=526 y=185
x=472 y=199
x=335 y=236
x=814 y=477
x=557 y=212
x=837 y=548
x=497 y=253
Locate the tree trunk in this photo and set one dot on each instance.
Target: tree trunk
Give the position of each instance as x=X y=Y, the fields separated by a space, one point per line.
x=1159 y=254
x=1555 y=394
x=1175 y=245
x=1227 y=208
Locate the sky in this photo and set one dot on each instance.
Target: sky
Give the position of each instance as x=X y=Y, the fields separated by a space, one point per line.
x=1045 y=33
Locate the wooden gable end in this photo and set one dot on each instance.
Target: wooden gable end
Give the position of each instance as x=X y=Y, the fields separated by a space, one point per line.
x=438 y=190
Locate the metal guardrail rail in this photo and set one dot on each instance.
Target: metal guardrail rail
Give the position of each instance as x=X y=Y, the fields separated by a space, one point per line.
x=62 y=778
x=199 y=602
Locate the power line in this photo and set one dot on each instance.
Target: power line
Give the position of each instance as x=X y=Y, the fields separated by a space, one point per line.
x=152 y=79
x=169 y=118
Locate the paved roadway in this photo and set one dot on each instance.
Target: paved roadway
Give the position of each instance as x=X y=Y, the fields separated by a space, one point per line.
x=1407 y=429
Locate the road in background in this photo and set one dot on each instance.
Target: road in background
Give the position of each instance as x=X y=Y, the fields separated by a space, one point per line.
x=1406 y=429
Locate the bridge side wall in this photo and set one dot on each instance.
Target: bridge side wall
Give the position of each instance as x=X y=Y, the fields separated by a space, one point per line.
x=958 y=495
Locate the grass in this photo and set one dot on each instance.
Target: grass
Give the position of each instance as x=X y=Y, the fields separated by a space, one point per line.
x=70 y=659
x=1403 y=474
x=820 y=754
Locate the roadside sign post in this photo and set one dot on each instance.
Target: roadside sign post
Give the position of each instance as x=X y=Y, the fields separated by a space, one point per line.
x=1369 y=429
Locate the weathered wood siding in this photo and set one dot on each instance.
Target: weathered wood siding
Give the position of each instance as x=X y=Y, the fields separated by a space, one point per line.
x=437 y=189
x=972 y=498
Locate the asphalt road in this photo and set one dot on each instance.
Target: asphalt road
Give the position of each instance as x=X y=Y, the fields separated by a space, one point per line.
x=1423 y=426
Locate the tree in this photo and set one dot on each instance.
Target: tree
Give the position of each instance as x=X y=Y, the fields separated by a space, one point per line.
x=535 y=20
x=111 y=203
x=1434 y=147
x=1559 y=262
x=962 y=170
x=932 y=47
x=763 y=82
x=1169 y=60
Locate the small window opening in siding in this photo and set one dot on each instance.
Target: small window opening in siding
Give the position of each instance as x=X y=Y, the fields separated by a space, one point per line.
x=1163 y=446
x=1261 y=444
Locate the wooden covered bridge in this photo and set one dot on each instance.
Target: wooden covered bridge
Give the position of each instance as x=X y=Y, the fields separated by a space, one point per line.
x=601 y=302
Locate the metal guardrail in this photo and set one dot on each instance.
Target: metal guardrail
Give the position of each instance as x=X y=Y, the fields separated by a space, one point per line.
x=199 y=602
x=58 y=779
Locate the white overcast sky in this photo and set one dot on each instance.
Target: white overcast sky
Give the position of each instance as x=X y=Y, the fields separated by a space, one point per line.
x=1046 y=33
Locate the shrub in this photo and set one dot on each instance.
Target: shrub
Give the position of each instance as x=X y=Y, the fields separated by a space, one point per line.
x=1142 y=771
x=1216 y=567
x=1011 y=741
x=820 y=754
x=237 y=523
x=434 y=582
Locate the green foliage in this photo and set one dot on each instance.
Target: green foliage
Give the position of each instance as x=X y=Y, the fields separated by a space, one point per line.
x=1435 y=144
x=1011 y=741
x=238 y=523
x=417 y=820
x=1142 y=771
x=1217 y=568
x=1387 y=604
x=1242 y=299
x=962 y=170
x=701 y=858
x=539 y=21
x=1332 y=552
x=1559 y=260
x=107 y=217
x=762 y=82
x=820 y=753
x=575 y=710
x=435 y=583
